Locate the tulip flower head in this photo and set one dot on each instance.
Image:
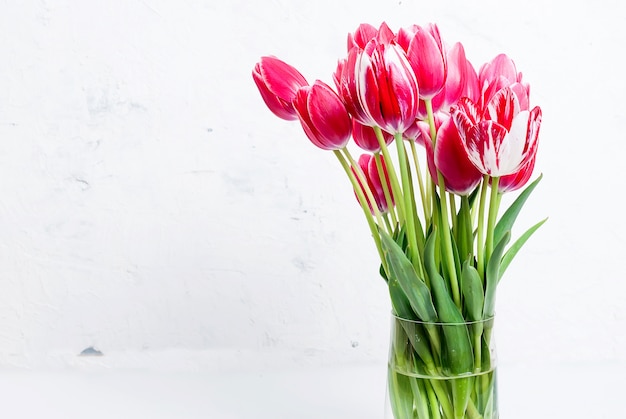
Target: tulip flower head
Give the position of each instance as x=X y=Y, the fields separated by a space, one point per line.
x=323 y=116
x=503 y=138
x=278 y=83
x=374 y=177
x=427 y=57
x=450 y=157
x=365 y=137
x=386 y=87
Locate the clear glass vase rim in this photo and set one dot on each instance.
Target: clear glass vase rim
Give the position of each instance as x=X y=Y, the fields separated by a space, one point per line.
x=439 y=323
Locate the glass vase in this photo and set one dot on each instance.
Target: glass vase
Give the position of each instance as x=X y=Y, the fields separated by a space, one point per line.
x=441 y=370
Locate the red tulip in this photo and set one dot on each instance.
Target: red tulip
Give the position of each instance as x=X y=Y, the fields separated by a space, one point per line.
x=426 y=54
x=367 y=163
x=323 y=116
x=503 y=138
x=278 y=83
x=386 y=87
x=449 y=157
x=365 y=137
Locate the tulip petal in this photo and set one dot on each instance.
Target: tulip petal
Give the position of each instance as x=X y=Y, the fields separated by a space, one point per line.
x=502 y=108
x=428 y=62
x=484 y=146
x=460 y=174
x=278 y=83
x=281 y=78
x=328 y=115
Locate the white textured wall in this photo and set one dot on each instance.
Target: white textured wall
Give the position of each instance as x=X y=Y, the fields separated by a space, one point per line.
x=150 y=203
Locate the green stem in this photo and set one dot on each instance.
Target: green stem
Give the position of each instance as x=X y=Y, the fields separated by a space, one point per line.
x=472 y=412
x=364 y=205
x=469 y=227
x=368 y=192
x=387 y=223
x=478 y=334
x=480 y=249
x=393 y=177
x=433 y=137
x=443 y=397
x=420 y=397
x=494 y=201
x=409 y=203
x=385 y=185
x=432 y=400
x=448 y=255
x=420 y=183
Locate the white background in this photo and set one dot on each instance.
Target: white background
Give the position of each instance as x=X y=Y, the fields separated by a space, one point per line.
x=152 y=207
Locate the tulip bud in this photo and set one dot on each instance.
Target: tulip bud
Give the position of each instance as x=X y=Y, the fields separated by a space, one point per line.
x=323 y=116
x=278 y=83
x=374 y=178
x=426 y=54
x=365 y=137
x=501 y=73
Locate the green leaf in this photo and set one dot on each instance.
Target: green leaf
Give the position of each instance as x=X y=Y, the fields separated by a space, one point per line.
x=492 y=275
x=400 y=395
x=410 y=283
x=472 y=289
x=515 y=247
x=459 y=348
x=399 y=301
x=508 y=218
x=458 y=351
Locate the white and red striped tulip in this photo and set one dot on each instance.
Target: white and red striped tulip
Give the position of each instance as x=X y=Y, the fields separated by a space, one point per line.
x=345 y=77
x=386 y=87
x=503 y=138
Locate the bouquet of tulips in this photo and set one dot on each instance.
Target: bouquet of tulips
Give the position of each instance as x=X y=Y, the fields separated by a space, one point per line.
x=441 y=143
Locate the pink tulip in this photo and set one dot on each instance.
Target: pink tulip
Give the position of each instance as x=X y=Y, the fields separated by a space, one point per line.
x=498 y=74
x=365 y=137
x=278 y=83
x=367 y=163
x=461 y=80
x=503 y=138
x=366 y=32
x=425 y=52
x=323 y=116
x=449 y=157
x=418 y=131
x=386 y=87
